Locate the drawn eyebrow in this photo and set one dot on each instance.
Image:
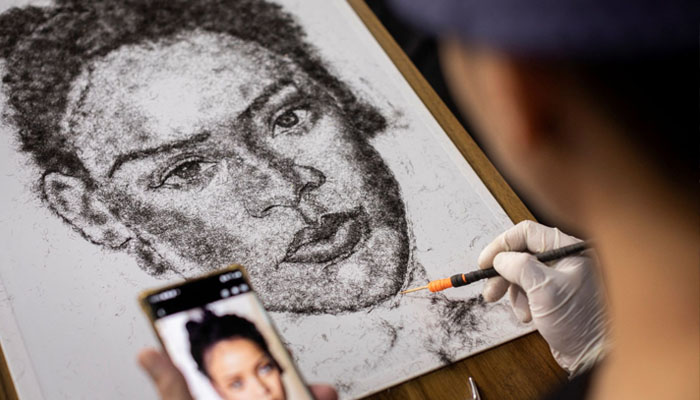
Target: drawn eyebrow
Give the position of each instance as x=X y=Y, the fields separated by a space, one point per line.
x=268 y=92
x=135 y=155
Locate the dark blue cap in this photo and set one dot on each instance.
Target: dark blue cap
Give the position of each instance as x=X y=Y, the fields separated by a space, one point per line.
x=562 y=28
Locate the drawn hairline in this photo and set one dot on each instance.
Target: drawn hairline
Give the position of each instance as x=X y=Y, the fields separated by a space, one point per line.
x=181 y=36
x=176 y=37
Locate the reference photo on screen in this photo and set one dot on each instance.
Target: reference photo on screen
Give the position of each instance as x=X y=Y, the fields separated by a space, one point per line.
x=218 y=334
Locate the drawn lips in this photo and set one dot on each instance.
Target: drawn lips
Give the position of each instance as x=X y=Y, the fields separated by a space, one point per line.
x=335 y=236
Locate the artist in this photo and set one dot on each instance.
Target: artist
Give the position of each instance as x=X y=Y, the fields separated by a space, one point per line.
x=231 y=352
x=590 y=107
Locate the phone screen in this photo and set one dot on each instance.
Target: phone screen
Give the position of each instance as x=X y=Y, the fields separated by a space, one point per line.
x=218 y=334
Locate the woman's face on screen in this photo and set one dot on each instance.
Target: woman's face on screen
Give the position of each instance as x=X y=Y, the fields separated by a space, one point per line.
x=240 y=370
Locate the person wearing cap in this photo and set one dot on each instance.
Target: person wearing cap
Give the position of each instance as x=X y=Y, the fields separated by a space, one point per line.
x=590 y=108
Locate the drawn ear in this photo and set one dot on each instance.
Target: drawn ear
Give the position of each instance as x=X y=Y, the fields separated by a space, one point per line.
x=70 y=198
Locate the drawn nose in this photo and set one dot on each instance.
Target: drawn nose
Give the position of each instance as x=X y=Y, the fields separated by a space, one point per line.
x=280 y=185
x=310 y=177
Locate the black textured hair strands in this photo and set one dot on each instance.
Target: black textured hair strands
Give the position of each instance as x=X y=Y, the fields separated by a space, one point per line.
x=212 y=329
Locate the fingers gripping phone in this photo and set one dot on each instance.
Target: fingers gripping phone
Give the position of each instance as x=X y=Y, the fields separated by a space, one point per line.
x=217 y=333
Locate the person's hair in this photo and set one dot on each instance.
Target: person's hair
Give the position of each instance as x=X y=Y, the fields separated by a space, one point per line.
x=212 y=329
x=46 y=48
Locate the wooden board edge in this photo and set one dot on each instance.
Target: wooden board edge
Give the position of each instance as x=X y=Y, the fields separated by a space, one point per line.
x=494 y=182
x=7 y=386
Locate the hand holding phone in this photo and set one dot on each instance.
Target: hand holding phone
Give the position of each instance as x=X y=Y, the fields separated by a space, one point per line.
x=221 y=342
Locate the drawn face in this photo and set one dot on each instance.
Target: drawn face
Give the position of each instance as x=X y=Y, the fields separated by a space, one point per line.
x=240 y=370
x=213 y=151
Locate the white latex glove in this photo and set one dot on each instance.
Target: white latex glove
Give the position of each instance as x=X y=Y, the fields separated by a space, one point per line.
x=564 y=300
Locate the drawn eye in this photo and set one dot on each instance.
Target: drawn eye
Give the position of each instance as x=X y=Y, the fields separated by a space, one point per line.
x=288 y=121
x=188 y=172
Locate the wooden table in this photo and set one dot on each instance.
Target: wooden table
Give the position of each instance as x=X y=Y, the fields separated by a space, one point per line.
x=520 y=369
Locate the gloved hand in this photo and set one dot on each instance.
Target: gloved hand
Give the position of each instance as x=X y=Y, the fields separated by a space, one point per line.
x=565 y=300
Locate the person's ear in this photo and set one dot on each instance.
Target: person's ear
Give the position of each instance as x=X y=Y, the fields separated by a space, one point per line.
x=72 y=200
x=535 y=101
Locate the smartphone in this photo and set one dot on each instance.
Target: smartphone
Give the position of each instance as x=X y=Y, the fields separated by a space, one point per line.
x=217 y=333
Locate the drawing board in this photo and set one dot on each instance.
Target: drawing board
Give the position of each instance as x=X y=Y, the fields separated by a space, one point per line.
x=307 y=158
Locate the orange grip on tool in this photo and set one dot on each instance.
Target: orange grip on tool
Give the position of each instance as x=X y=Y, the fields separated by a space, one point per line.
x=440 y=284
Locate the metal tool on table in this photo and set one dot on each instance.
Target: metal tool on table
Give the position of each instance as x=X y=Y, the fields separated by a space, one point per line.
x=474 y=392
